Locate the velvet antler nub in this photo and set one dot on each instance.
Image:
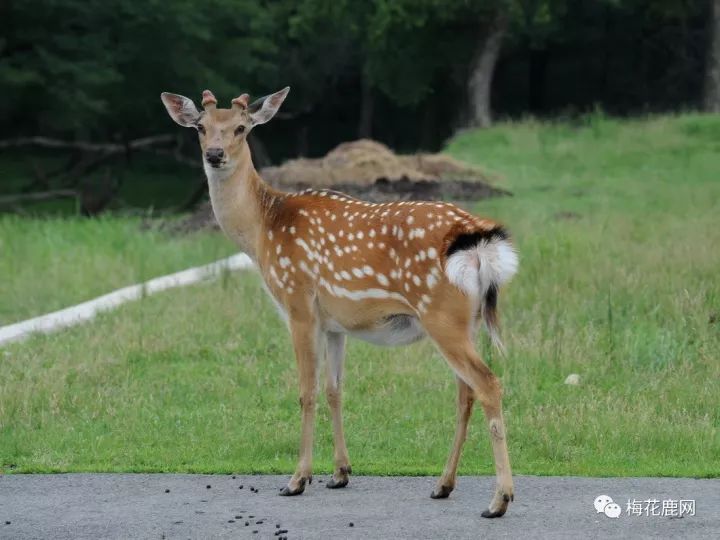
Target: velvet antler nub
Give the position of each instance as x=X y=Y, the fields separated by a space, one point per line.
x=241 y=101
x=208 y=99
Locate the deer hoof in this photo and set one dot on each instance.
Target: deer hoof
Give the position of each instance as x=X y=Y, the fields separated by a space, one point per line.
x=337 y=484
x=287 y=491
x=442 y=492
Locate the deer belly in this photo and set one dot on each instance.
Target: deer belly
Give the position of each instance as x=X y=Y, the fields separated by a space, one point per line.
x=390 y=331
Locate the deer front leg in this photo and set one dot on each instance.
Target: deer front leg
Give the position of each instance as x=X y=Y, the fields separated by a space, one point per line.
x=307 y=343
x=333 y=391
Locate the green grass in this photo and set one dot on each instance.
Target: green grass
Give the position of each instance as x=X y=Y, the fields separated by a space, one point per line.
x=49 y=264
x=617 y=227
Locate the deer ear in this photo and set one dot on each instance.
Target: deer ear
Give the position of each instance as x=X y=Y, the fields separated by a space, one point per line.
x=180 y=109
x=263 y=109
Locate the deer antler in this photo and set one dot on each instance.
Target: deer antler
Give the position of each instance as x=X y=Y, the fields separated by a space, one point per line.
x=208 y=100
x=241 y=101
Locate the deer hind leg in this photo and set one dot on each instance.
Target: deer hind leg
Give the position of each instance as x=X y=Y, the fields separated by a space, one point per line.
x=333 y=392
x=452 y=335
x=308 y=344
x=465 y=401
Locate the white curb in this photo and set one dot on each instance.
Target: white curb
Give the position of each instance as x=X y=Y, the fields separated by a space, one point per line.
x=87 y=310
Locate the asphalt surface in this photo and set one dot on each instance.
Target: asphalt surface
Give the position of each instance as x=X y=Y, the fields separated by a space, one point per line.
x=128 y=506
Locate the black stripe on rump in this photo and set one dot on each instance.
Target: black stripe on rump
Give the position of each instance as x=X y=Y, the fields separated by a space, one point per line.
x=469 y=240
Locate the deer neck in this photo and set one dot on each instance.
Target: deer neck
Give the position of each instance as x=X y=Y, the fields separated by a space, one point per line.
x=241 y=201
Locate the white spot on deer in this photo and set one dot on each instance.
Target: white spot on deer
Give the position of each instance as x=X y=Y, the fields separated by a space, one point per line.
x=382 y=280
x=431 y=253
x=357 y=272
x=371 y=233
x=416 y=280
x=292 y=230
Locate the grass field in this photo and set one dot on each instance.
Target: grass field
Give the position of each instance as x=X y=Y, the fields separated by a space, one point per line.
x=617 y=227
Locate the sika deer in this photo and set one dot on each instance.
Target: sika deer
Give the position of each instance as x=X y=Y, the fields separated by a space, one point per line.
x=387 y=273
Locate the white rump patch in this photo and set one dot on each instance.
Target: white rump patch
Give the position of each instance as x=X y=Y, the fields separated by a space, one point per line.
x=475 y=269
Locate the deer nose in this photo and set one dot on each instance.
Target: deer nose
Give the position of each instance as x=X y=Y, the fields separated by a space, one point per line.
x=214 y=156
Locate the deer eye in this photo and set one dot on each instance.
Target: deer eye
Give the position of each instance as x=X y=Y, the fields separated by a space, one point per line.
x=201 y=128
x=239 y=130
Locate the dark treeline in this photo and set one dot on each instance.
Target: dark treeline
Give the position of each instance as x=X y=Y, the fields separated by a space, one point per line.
x=406 y=72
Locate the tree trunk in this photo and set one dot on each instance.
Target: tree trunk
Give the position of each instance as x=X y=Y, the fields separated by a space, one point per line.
x=367 y=106
x=482 y=68
x=711 y=102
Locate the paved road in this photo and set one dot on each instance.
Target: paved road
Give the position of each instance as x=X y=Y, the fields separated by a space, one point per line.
x=126 y=506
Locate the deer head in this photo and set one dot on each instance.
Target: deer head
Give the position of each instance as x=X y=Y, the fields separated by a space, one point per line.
x=223 y=132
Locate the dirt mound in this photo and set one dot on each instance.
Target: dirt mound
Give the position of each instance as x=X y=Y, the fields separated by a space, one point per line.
x=370 y=170
x=362 y=163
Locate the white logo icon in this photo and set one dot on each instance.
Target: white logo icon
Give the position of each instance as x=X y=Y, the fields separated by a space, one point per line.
x=613 y=510
x=601 y=502
x=604 y=504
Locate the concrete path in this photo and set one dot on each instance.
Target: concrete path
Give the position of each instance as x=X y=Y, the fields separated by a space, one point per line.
x=127 y=506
